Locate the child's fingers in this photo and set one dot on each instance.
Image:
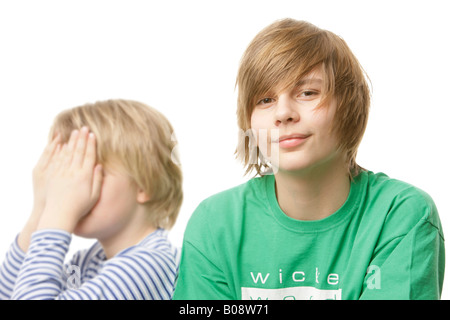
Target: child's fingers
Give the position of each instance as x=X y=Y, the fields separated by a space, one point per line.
x=67 y=150
x=80 y=147
x=72 y=139
x=50 y=150
x=48 y=153
x=91 y=152
x=57 y=158
x=97 y=182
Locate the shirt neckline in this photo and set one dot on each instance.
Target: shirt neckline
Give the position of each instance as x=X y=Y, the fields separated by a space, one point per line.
x=313 y=226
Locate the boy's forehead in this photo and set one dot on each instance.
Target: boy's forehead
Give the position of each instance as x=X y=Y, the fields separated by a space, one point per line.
x=314 y=77
x=309 y=80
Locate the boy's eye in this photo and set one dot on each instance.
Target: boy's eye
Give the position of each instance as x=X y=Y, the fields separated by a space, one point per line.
x=308 y=94
x=265 y=101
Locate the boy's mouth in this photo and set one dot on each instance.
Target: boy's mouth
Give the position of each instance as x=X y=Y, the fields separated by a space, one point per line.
x=291 y=140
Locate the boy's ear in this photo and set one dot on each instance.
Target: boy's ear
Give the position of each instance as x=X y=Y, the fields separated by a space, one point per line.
x=142 y=196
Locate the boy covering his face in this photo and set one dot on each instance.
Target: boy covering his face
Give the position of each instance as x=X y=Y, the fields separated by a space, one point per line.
x=108 y=174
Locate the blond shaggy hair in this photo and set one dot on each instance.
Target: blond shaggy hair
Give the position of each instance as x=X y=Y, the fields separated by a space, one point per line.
x=282 y=54
x=138 y=140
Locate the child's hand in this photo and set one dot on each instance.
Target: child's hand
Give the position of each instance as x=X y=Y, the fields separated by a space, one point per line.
x=40 y=174
x=74 y=183
x=40 y=178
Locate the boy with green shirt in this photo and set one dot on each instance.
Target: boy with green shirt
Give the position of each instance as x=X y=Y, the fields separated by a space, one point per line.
x=314 y=225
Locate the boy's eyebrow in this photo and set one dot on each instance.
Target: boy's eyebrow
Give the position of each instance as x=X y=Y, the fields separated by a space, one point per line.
x=301 y=82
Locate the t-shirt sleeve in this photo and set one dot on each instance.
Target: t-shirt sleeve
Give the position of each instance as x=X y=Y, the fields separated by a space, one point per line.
x=409 y=266
x=201 y=276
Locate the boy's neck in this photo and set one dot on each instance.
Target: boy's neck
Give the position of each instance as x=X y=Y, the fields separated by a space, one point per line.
x=314 y=194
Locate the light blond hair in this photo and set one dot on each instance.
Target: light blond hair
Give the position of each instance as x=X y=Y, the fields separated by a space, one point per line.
x=138 y=140
x=282 y=54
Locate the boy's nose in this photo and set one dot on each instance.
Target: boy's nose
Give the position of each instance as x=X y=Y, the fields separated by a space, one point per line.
x=286 y=110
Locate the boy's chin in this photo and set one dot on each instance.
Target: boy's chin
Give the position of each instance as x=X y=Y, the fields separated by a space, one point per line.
x=291 y=167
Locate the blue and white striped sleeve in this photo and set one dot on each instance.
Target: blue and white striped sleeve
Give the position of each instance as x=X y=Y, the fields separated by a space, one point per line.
x=138 y=274
x=9 y=270
x=40 y=276
x=135 y=274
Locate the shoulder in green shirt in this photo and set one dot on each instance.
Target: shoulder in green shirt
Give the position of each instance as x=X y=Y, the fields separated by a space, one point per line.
x=385 y=242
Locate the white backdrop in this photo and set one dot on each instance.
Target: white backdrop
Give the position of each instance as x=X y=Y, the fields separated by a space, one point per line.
x=181 y=57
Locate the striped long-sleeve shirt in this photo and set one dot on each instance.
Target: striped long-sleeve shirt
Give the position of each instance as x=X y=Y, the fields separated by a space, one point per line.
x=147 y=270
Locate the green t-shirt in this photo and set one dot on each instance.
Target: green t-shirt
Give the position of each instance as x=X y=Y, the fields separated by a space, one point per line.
x=385 y=242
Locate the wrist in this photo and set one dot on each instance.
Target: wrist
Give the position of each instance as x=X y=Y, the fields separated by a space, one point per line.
x=53 y=218
x=30 y=226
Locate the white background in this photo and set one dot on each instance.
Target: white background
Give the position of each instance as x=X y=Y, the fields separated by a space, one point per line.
x=181 y=57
